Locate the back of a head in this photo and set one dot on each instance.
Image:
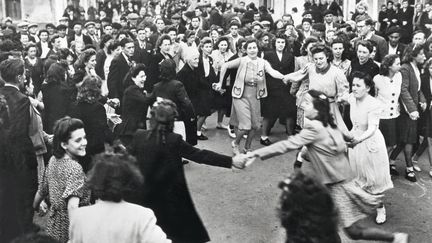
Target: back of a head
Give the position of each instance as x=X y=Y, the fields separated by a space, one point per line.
x=55 y=73
x=11 y=69
x=167 y=70
x=307 y=211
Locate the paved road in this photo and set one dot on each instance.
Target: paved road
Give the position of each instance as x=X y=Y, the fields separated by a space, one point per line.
x=239 y=207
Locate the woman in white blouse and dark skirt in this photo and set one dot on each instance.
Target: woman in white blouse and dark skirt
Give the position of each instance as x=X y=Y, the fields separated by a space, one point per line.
x=388 y=87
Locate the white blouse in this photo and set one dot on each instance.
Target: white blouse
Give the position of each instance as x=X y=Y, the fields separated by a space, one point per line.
x=388 y=92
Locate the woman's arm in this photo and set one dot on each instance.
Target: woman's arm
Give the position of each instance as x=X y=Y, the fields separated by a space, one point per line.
x=72 y=203
x=228 y=65
x=306 y=136
x=275 y=74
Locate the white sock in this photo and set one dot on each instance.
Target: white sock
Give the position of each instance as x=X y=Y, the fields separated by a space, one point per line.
x=199 y=133
x=264 y=137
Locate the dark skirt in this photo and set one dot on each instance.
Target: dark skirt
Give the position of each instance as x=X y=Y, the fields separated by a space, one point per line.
x=406 y=129
x=389 y=130
x=202 y=104
x=425 y=124
x=279 y=104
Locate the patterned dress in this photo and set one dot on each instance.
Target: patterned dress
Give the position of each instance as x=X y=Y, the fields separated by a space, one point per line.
x=64 y=178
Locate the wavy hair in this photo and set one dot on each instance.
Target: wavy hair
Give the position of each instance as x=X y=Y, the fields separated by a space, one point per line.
x=307 y=211
x=322 y=104
x=63 y=129
x=163 y=115
x=90 y=89
x=386 y=63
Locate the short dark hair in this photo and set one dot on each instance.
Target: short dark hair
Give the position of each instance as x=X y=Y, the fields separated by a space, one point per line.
x=386 y=63
x=250 y=41
x=30 y=45
x=113 y=45
x=54 y=37
x=135 y=70
x=63 y=129
x=322 y=104
x=366 y=44
x=104 y=40
x=125 y=41
x=318 y=48
x=42 y=31
x=56 y=73
x=223 y=38
x=114 y=176
x=367 y=79
x=10 y=69
x=161 y=39
x=411 y=52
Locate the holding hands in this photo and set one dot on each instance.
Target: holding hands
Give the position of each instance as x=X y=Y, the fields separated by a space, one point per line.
x=242 y=161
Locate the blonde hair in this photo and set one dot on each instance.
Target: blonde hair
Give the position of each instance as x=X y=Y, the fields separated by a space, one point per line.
x=362 y=4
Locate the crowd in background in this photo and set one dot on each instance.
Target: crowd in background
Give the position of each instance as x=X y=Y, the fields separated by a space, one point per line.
x=143 y=78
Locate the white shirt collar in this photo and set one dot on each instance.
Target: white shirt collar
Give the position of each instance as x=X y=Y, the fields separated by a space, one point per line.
x=12 y=85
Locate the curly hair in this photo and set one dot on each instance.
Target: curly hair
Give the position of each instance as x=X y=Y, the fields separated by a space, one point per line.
x=90 y=89
x=307 y=42
x=163 y=115
x=318 y=48
x=307 y=211
x=63 y=129
x=85 y=57
x=386 y=63
x=367 y=79
x=322 y=104
x=114 y=175
x=411 y=52
x=160 y=41
x=220 y=39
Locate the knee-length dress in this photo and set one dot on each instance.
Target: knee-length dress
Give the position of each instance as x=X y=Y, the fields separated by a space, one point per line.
x=368 y=159
x=64 y=178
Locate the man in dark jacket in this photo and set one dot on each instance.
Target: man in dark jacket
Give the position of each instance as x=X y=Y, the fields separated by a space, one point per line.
x=20 y=165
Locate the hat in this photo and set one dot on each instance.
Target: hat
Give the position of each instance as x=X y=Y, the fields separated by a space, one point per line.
x=32 y=25
x=257 y=23
x=63 y=19
x=61 y=27
x=328 y=11
x=22 y=24
x=309 y=20
x=176 y=16
x=133 y=16
x=89 y=23
x=306 y=13
x=392 y=30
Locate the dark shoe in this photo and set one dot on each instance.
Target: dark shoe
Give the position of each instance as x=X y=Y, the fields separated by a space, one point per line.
x=393 y=170
x=202 y=137
x=185 y=161
x=410 y=175
x=265 y=142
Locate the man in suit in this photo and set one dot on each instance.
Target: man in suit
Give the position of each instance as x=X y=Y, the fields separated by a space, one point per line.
x=20 y=165
x=195 y=26
x=142 y=51
x=216 y=15
x=91 y=32
x=394 y=45
x=365 y=32
x=204 y=24
x=79 y=36
x=120 y=66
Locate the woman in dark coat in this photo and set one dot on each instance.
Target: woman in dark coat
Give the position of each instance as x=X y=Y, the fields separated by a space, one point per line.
x=169 y=88
x=197 y=85
x=134 y=105
x=279 y=104
x=34 y=68
x=57 y=96
x=92 y=113
x=163 y=47
x=159 y=154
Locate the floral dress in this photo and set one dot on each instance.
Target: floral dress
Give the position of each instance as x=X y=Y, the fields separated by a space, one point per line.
x=369 y=160
x=64 y=178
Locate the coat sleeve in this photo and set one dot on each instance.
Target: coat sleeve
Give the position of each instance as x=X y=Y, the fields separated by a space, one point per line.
x=306 y=136
x=113 y=79
x=405 y=96
x=202 y=156
x=185 y=103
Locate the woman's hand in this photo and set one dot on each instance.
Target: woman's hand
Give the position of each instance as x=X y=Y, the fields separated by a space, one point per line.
x=354 y=142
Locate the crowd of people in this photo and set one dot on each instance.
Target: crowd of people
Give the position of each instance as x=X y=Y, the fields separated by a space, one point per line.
x=100 y=111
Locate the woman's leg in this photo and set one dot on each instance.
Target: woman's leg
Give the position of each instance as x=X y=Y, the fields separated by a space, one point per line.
x=249 y=138
x=290 y=125
x=200 y=122
x=220 y=115
x=267 y=124
x=429 y=149
x=409 y=173
x=394 y=154
x=358 y=232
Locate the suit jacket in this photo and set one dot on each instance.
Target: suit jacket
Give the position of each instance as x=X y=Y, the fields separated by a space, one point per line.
x=410 y=95
x=166 y=191
x=94 y=117
x=153 y=71
x=117 y=71
x=18 y=166
x=35 y=72
x=134 y=110
x=87 y=40
x=142 y=55
x=400 y=50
